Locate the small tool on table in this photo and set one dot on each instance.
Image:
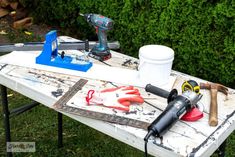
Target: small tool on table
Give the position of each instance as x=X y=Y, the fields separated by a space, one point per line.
x=191 y=85
x=197 y=111
x=50 y=56
x=101 y=50
x=176 y=108
x=214 y=88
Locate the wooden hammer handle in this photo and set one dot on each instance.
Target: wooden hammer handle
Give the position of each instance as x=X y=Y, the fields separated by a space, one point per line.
x=213 y=115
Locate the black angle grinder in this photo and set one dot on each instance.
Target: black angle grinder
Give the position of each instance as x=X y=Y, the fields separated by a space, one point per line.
x=177 y=106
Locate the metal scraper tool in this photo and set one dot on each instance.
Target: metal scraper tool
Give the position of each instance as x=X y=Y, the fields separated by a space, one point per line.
x=61 y=105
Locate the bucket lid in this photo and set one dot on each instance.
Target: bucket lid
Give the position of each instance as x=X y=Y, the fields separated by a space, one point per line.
x=156 y=52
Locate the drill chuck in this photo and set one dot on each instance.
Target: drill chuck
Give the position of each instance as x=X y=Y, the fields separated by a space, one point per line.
x=99 y=21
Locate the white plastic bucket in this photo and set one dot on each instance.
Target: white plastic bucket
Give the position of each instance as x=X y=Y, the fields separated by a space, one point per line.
x=155 y=64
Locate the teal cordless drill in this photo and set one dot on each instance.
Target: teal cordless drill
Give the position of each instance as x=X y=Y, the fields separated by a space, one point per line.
x=102 y=24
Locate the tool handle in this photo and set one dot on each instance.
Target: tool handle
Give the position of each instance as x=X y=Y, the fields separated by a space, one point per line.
x=157 y=91
x=213 y=115
x=102 y=37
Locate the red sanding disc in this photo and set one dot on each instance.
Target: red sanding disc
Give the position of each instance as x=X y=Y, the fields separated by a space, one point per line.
x=193 y=115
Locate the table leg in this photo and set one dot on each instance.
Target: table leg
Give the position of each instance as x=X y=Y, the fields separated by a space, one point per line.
x=6 y=114
x=221 y=150
x=60 y=130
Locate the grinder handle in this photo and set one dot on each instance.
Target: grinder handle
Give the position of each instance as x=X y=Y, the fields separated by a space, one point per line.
x=157 y=91
x=213 y=115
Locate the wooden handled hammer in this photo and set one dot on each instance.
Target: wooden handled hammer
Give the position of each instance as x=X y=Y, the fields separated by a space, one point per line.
x=214 y=88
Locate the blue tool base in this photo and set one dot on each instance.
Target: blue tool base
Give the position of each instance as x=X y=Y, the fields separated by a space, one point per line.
x=49 y=56
x=67 y=62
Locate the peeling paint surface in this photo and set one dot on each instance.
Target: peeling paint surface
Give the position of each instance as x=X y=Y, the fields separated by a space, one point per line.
x=183 y=139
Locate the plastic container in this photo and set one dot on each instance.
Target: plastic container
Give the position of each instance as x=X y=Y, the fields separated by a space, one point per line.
x=155 y=64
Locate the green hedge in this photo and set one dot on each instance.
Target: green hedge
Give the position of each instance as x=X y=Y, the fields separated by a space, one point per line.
x=201 y=32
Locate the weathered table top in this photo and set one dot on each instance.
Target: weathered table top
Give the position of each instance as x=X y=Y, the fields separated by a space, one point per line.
x=183 y=139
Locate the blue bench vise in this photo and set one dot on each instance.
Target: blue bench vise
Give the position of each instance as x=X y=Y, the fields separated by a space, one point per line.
x=49 y=56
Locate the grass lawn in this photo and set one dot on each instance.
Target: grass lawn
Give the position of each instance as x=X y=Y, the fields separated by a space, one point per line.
x=39 y=125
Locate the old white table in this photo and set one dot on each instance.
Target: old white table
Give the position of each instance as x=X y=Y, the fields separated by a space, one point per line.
x=183 y=139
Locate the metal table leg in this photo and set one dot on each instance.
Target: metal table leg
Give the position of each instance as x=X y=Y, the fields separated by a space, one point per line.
x=6 y=114
x=60 y=130
x=17 y=111
x=221 y=150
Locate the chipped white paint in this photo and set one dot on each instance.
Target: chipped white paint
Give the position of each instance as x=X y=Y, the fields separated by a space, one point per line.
x=180 y=140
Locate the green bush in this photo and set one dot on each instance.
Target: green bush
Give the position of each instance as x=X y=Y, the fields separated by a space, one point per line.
x=201 y=32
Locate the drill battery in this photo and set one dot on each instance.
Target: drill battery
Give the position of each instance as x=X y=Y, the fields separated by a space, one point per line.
x=99 y=56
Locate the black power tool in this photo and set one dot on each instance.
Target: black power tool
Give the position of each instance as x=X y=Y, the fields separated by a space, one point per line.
x=177 y=106
x=102 y=24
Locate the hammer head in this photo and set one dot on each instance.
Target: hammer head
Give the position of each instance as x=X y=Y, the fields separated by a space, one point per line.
x=216 y=86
